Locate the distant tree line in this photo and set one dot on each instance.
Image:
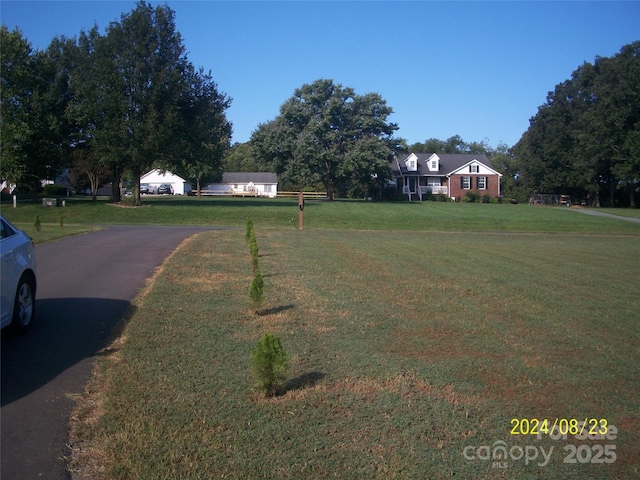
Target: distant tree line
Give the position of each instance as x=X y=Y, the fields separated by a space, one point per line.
x=111 y=104
x=584 y=141
x=117 y=104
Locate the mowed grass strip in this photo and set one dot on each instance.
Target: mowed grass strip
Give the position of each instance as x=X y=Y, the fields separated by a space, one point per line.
x=406 y=348
x=340 y=214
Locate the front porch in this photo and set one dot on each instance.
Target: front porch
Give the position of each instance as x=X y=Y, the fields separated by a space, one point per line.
x=417 y=187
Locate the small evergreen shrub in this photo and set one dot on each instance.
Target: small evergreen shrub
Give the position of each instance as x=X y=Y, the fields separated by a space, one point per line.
x=37 y=225
x=253 y=249
x=250 y=237
x=270 y=364
x=256 y=290
x=249 y=233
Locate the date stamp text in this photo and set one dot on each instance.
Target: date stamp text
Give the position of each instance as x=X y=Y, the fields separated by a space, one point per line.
x=584 y=432
x=563 y=426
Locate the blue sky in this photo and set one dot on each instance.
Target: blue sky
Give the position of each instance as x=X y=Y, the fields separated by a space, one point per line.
x=475 y=69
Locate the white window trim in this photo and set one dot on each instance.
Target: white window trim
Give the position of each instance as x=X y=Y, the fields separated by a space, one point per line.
x=466 y=182
x=484 y=183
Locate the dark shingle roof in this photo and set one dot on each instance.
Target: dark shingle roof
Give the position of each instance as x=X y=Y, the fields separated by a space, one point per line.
x=449 y=162
x=246 y=177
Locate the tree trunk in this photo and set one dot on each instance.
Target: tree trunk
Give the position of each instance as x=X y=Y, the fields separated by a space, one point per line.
x=329 y=186
x=136 y=184
x=115 y=186
x=612 y=195
x=632 y=195
x=93 y=180
x=34 y=190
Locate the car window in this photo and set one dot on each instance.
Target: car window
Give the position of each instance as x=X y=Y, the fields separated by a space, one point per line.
x=6 y=230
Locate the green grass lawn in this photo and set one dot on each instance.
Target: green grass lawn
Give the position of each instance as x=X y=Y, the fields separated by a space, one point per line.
x=409 y=343
x=341 y=214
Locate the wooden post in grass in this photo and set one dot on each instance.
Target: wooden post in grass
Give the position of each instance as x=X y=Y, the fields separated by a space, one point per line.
x=300 y=211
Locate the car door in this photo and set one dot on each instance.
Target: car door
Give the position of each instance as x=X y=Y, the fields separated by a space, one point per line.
x=8 y=239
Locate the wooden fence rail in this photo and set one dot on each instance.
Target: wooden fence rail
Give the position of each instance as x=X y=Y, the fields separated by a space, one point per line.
x=309 y=195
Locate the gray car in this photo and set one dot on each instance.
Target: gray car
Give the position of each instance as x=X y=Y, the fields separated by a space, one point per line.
x=18 y=270
x=165 y=189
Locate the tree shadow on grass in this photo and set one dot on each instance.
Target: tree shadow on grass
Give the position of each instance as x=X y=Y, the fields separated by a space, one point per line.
x=271 y=275
x=274 y=310
x=306 y=380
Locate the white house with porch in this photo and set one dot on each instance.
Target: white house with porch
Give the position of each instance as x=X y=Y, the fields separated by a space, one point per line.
x=258 y=184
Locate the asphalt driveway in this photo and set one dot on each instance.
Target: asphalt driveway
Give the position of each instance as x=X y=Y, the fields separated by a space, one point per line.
x=85 y=287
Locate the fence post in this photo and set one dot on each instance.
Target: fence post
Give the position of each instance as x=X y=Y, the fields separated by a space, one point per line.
x=300 y=210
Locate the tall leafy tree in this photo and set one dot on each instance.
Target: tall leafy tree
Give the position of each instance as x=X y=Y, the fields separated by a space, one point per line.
x=503 y=160
x=240 y=158
x=96 y=109
x=326 y=133
x=547 y=161
x=202 y=133
x=611 y=126
x=16 y=82
x=150 y=62
x=584 y=139
x=34 y=96
x=130 y=91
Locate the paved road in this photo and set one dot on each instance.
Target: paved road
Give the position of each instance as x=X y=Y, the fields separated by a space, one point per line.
x=85 y=286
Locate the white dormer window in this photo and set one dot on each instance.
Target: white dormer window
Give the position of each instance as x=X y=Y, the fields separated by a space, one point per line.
x=412 y=163
x=474 y=168
x=433 y=163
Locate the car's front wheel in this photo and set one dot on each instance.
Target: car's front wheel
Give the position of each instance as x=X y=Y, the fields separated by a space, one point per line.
x=24 y=307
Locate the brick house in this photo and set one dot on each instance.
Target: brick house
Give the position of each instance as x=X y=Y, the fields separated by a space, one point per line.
x=450 y=174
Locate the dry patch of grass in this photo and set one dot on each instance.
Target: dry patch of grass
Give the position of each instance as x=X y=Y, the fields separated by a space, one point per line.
x=90 y=460
x=214 y=282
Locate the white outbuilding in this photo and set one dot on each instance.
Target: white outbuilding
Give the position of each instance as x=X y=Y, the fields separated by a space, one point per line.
x=259 y=184
x=157 y=177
